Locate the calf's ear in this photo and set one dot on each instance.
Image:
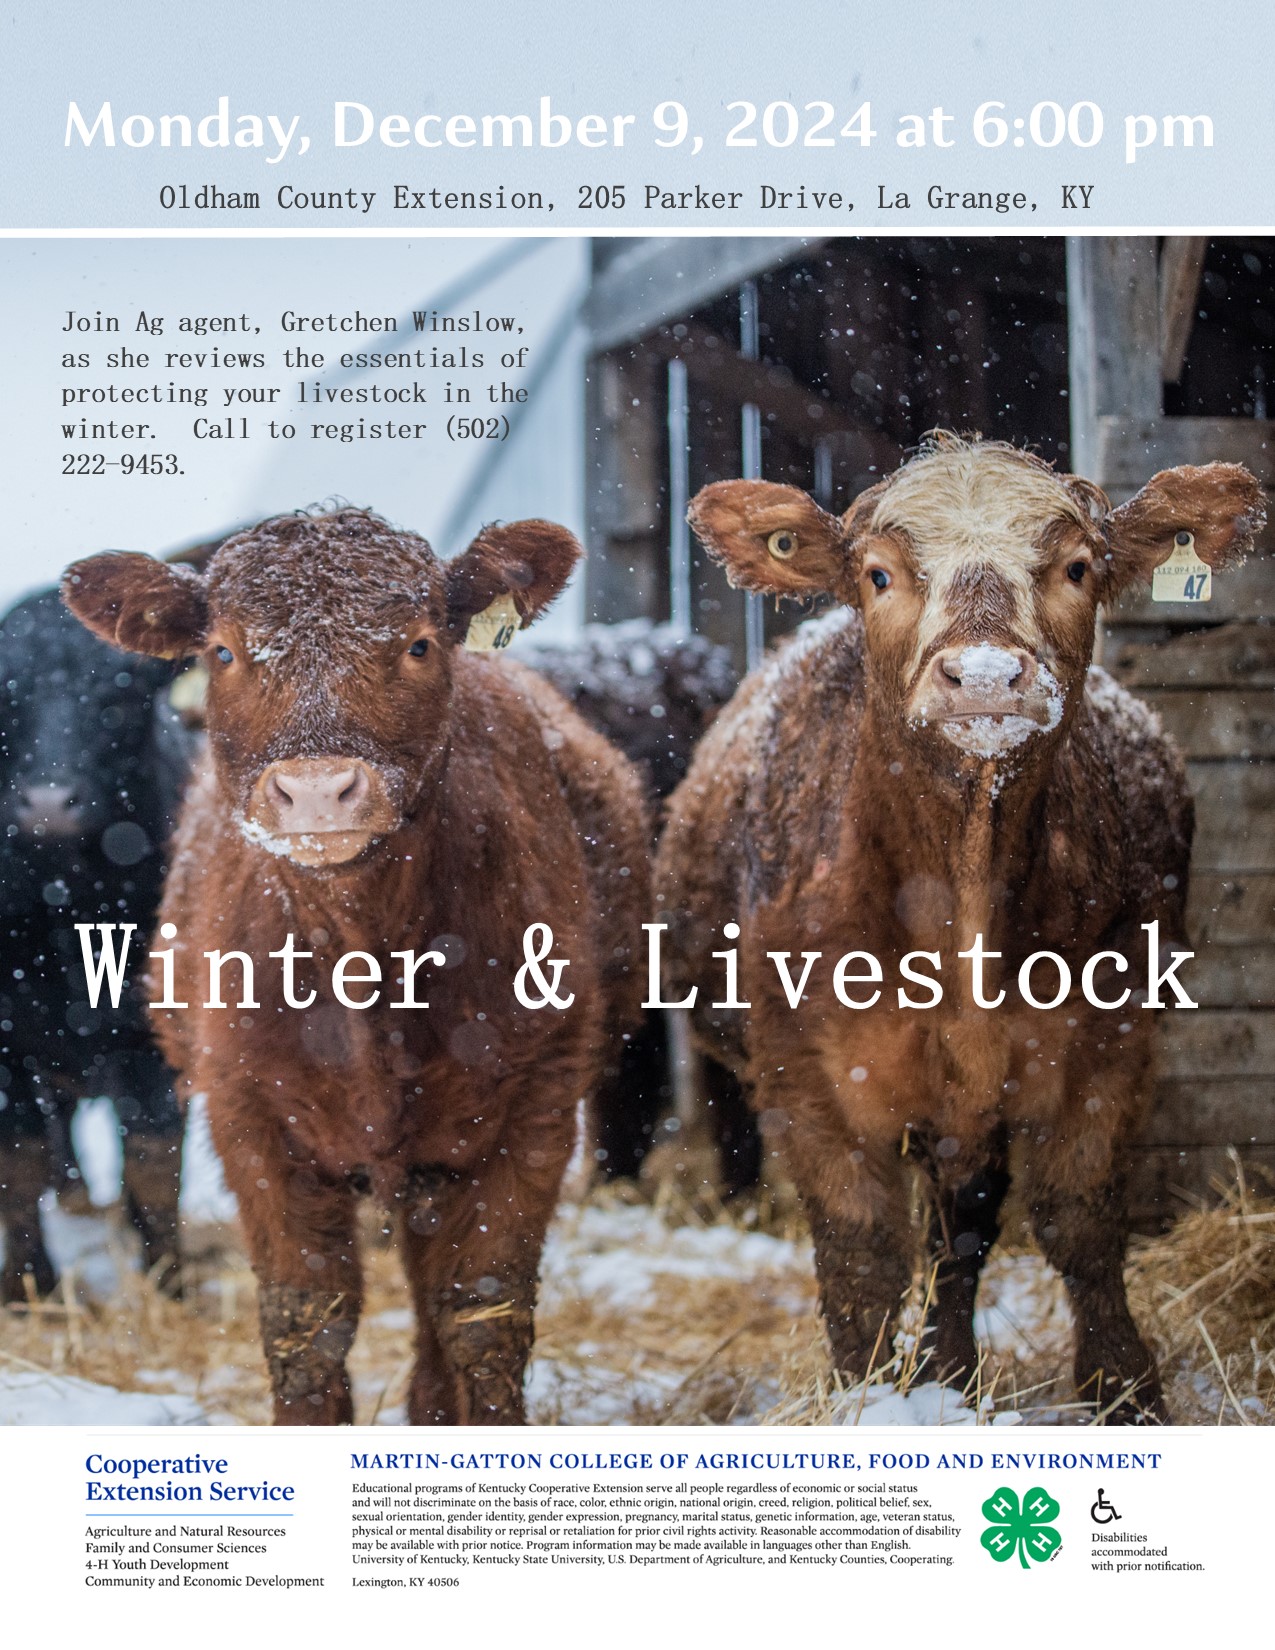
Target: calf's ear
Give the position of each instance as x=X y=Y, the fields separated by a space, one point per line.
x=771 y=538
x=1219 y=505
x=528 y=561
x=137 y=603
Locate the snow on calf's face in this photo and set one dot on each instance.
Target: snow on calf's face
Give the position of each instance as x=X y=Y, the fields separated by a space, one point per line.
x=987 y=714
x=979 y=571
x=979 y=595
x=329 y=643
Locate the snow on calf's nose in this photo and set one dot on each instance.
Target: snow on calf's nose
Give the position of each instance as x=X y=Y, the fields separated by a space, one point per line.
x=992 y=699
x=986 y=670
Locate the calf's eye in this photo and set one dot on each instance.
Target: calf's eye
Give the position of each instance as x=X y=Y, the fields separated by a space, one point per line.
x=419 y=648
x=1077 y=570
x=880 y=578
x=782 y=545
x=225 y=655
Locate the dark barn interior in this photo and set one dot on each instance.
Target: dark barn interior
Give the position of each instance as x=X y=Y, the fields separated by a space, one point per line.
x=861 y=347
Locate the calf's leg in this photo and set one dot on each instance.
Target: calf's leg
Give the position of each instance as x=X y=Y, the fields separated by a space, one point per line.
x=26 y=1168
x=299 y=1226
x=857 y=1206
x=68 y=1178
x=964 y=1223
x=1081 y=1228
x=153 y=1126
x=631 y=1096
x=733 y=1127
x=472 y=1256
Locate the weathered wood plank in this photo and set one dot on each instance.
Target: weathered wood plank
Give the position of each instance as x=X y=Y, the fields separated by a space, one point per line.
x=1231 y=976
x=1181 y=265
x=1221 y=1112
x=1234 y=815
x=1113 y=318
x=1232 y=655
x=1212 y=1043
x=1234 y=910
x=1218 y=723
x=716 y=365
x=1129 y=450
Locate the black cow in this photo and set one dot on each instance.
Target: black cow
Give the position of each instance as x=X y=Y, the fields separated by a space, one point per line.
x=652 y=691
x=90 y=774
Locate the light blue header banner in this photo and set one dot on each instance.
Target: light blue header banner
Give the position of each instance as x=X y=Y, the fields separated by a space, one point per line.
x=911 y=116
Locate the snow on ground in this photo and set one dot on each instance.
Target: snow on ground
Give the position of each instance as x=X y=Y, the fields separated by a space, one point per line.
x=623 y=1254
x=1023 y=1308
x=30 y=1398
x=925 y=1405
x=645 y=1316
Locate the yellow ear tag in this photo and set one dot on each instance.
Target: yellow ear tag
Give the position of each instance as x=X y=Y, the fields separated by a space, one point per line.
x=188 y=694
x=1183 y=577
x=495 y=627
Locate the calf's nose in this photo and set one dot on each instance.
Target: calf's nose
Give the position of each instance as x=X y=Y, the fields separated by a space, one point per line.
x=317 y=794
x=983 y=671
x=50 y=808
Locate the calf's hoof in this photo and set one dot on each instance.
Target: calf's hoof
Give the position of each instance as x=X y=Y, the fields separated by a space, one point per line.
x=307 y=1335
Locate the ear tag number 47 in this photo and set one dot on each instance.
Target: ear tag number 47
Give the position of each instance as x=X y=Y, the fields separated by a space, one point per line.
x=1182 y=577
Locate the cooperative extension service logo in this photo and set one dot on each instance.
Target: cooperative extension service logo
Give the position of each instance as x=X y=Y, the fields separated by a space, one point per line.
x=1026 y=1529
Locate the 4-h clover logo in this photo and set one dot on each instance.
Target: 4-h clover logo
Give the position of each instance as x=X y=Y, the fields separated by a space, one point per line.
x=1026 y=1530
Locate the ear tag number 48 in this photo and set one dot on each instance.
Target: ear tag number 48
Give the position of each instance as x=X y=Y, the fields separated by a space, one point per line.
x=495 y=627
x=1182 y=577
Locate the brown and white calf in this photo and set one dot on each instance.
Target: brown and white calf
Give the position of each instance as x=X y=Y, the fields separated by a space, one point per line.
x=935 y=761
x=370 y=786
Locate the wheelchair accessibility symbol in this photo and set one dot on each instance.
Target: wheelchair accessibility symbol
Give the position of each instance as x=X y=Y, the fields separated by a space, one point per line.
x=1102 y=1512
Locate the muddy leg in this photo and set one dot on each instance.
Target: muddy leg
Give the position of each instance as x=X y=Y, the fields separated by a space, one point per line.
x=152 y=1180
x=473 y=1339
x=864 y=1270
x=632 y=1096
x=1083 y=1235
x=472 y=1254
x=733 y=1126
x=26 y=1169
x=857 y=1205
x=299 y=1227
x=964 y=1224
x=153 y=1128
x=68 y=1178
x=433 y=1399
x=307 y=1335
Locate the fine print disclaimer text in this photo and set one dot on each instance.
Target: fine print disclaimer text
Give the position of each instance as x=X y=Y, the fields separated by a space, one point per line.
x=412 y=1535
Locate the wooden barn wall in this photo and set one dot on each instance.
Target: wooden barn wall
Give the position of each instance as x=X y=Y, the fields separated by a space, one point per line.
x=1173 y=346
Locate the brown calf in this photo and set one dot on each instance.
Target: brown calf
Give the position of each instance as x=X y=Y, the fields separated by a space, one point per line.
x=935 y=761
x=370 y=786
